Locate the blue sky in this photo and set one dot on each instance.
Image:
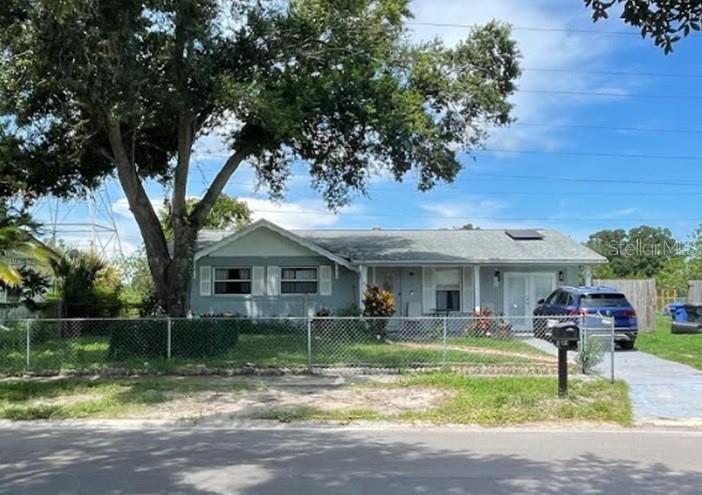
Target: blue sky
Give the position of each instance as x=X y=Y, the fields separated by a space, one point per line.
x=545 y=143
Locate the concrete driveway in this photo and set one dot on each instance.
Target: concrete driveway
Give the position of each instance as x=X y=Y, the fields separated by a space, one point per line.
x=660 y=389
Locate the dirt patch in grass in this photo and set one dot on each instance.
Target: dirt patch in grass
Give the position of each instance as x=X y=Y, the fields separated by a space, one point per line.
x=256 y=404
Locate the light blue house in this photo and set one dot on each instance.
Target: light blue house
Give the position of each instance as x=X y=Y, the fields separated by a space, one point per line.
x=265 y=270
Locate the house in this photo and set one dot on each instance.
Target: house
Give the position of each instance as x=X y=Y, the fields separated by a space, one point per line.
x=266 y=270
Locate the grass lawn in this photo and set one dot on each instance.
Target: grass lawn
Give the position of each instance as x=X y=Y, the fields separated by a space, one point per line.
x=492 y=401
x=113 y=398
x=91 y=353
x=463 y=399
x=683 y=348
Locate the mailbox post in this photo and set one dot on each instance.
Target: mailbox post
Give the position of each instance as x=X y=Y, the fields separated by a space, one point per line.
x=565 y=336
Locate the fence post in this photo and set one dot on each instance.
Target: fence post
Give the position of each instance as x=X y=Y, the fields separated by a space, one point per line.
x=583 y=343
x=309 y=343
x=29 y=344
x=168 y=337
x=611 y=349
x=444 y=343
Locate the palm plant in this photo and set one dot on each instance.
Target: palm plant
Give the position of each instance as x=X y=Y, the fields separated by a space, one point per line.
x=17 y=240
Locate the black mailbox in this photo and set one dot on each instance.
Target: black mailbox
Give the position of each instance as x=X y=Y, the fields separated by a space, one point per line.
x=566 y=335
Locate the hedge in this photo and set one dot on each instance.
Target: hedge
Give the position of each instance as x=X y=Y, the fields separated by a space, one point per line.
x=189 y=338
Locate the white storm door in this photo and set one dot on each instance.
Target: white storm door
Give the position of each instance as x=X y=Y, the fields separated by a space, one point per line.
x=516 y=299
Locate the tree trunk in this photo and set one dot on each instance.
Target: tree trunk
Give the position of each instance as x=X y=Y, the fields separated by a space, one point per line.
x=171 y=269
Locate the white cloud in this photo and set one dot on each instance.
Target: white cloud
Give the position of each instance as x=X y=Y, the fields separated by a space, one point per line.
x=476 y=210
x=120 y=207
x=302 y=214
x=560 y=50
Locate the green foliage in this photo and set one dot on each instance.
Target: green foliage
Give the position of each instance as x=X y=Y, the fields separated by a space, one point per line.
x=138 y=290
x=350 y=310
x=89 y=88
x=639 y=253
x=337 y=84
x=378 y=302
x=682 y=348
x=590 y=354
x=665 y=21
x=147 y=338
x=86 y=286
x=22 y=255
x=227 y=213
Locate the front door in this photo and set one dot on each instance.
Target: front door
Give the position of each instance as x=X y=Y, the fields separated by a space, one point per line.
x=522 y=291
x=391 y=281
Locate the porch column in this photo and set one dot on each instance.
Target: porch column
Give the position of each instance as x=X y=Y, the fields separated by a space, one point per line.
x=362 y=283
x=588 y=275
x=476 y=288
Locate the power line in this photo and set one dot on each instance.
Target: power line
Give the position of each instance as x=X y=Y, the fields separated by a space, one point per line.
x=597 y=181
x=603 y=218
x=640 y=156
x=609 y=94
x=529 y=28
x=612 y=73
x=661 y=130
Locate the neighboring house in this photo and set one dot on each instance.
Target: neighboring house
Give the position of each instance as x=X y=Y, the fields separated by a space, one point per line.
x=265 y=270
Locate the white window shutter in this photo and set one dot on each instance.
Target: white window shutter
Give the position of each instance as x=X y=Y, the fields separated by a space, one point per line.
x=205 y=280
x=273 y=288
x=325 y=280
x=467 y=299
x=258 y=281
x=428 y=290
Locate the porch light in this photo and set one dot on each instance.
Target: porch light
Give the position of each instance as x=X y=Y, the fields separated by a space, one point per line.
x=496 y=279
x=561 y=276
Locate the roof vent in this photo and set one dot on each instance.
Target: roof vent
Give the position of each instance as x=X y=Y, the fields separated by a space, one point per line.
x=524 y=235
x=376 y=227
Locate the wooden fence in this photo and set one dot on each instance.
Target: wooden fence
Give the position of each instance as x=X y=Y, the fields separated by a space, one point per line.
x=642 y=296
x=667 y=296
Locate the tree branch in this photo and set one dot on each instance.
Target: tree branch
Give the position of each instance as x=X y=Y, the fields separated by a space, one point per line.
x=139 y=204
x=180 y=182
x=204 y=206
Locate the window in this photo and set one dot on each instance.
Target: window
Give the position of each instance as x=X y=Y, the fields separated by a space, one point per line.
x=448 y=289
x=553 y=297
x=232 y=281
x=603 y=300
x=298 y=281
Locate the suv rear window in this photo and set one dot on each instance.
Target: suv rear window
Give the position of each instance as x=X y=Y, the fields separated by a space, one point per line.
x=603 y=300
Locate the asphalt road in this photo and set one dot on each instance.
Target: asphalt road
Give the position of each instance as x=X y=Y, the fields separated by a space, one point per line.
x=338 y=461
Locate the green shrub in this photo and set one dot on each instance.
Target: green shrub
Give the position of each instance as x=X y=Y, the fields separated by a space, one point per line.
x=196 y=338
x=350 y=310
x=202 y=338
x=590 y=354
x=136 y=338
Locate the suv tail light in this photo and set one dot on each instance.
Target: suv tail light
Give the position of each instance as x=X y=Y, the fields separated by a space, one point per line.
x=630 y=313
x=578 y=312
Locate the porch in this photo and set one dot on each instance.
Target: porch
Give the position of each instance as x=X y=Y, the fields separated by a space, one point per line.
x=502 y=289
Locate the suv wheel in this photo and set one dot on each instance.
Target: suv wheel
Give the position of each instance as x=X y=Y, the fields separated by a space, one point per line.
x=627 y=345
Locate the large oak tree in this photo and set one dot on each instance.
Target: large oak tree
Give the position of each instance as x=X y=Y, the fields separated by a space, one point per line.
x=91 y=88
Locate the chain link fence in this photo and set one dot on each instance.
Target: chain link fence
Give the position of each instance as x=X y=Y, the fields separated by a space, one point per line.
x=478 y=344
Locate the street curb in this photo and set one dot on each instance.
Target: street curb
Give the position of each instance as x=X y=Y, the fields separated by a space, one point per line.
x=661 y=427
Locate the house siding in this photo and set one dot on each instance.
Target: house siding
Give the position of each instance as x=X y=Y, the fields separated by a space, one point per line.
x=344 y=289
